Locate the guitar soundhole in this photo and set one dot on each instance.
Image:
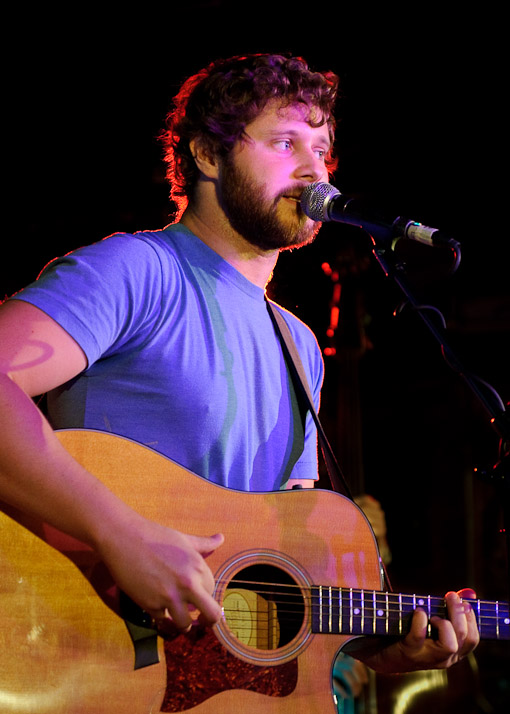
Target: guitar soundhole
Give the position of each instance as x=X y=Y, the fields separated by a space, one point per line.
x=263 y=607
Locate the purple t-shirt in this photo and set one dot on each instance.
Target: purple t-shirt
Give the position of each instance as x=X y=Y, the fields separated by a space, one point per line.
x=182 y=357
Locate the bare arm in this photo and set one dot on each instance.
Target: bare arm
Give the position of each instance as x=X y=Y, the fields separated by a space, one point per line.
x=302 y=482
x=40 y=477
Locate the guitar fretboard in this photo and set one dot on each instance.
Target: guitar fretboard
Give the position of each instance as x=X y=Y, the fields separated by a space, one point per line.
x=368 y=612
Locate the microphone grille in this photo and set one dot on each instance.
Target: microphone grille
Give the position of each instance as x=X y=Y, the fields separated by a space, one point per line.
x=315 y=200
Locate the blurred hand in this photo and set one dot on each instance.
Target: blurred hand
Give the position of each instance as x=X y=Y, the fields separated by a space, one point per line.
x=375 y=514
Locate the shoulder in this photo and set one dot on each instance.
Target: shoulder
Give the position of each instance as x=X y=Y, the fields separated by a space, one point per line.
x=125 y=262
x=299 y=330
x=305 y=341
x=126 y=249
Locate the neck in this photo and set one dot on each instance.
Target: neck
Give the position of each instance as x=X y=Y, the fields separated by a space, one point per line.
x=215 y=231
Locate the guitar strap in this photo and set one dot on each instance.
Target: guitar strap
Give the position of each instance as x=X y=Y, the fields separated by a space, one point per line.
x=300 y=380
x=297 y=371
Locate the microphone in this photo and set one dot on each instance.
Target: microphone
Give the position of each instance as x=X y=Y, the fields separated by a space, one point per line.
x=323 y=202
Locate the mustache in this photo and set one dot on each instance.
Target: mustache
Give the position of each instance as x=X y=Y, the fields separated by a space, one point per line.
x=292 y=191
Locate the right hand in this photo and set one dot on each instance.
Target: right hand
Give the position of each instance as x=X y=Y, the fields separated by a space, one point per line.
x=164 y=571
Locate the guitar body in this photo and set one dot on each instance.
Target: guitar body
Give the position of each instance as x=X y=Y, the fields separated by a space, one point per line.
x=66 y=650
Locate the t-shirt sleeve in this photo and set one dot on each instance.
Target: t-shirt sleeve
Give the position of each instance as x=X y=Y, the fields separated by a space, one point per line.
x=106 y=295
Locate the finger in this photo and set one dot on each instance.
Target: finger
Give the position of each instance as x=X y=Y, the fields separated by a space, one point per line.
x=205 y=545
x=445 y=642
x=473 y=635
x=195 y=595
x=180 y=615
x=163 y=621
x=210 y=611
x=418 y=632
x=457 y=609
x=454 y=631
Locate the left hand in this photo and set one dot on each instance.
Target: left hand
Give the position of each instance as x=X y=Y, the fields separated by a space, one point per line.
x=457 y=636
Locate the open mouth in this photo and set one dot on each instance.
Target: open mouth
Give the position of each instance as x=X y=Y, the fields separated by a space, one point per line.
x=293 y=200
x=294 y=203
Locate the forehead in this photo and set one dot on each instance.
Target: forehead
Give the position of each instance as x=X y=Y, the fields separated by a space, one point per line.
x=277 y=117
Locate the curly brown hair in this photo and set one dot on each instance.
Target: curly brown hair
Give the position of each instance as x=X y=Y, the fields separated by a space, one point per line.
x=216 y=104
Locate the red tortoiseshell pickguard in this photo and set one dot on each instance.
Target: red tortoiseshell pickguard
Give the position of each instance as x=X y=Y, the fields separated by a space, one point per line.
x=199 y=666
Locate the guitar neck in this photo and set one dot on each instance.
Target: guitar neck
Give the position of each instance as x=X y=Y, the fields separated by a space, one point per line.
x=367 y=612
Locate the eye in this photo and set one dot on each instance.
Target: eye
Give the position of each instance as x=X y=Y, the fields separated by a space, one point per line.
x=321 y=153
x=283 y=144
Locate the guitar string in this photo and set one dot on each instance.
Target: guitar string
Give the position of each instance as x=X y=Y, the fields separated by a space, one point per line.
x=238 y=619
x=242 y=622
x=368 y=609
x=367 y=606
x=368 y=615
x=337 y=588
x=337 y=592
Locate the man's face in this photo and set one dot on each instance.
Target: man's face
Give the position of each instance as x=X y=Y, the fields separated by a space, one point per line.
x=261 y=181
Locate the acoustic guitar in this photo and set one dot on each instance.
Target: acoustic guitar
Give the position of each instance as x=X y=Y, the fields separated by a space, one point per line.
x=298 y=576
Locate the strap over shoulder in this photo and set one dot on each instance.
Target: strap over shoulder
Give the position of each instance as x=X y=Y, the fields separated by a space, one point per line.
x=297 y=371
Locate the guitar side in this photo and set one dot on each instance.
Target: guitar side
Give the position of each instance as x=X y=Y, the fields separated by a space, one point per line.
x=66 y=650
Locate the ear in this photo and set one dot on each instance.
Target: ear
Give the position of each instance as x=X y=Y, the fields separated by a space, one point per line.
x=204 y=158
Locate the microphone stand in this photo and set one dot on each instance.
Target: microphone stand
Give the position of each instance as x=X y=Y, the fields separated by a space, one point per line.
x=383 y=243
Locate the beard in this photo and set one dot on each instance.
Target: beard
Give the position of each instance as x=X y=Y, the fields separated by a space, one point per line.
x=257 y=218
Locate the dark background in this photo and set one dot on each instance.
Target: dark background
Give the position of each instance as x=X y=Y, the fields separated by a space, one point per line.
x=421 y=133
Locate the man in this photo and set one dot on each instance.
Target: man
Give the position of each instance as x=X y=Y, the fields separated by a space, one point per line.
x=165 y=337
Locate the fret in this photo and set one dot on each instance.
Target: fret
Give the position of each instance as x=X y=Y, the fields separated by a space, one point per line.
x=356 y=615
x=400 y=614
x=493 y=619
x=315 y=603
x=381 y=614
x=387 y=618
x=374 y=605
x=375 y=614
